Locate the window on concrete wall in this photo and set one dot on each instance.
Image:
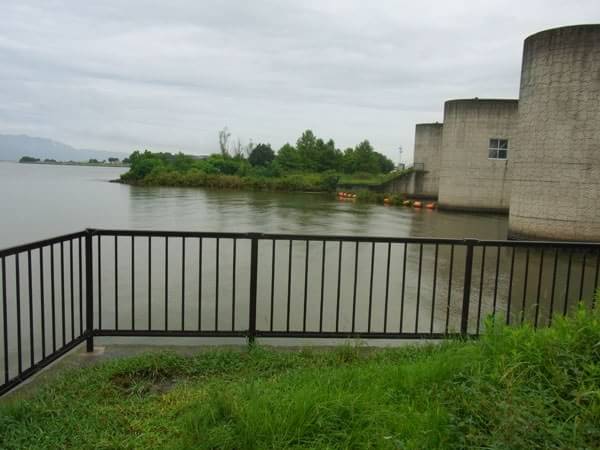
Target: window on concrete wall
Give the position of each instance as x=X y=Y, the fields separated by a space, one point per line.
x=498 y=149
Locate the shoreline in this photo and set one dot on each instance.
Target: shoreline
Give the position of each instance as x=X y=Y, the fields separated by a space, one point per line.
x=74 y=163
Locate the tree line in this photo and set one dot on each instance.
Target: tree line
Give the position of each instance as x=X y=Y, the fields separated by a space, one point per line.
x=309 y=155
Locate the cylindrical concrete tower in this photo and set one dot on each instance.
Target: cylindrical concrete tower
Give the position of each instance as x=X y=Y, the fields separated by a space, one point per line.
x=428 y=148
x=477 y=142
x=556 y=164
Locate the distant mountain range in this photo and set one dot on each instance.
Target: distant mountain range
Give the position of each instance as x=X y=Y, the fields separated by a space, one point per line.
x=13 y=147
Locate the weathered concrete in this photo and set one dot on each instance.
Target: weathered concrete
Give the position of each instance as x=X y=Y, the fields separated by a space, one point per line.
x=428 y=148
x=469 y=180
x=556 y=183
x=411 y=184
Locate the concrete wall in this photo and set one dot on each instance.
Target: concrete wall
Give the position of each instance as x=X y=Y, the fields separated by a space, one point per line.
x=412 y=184
x=428 y=150
x=556 y=185
x=469 y=180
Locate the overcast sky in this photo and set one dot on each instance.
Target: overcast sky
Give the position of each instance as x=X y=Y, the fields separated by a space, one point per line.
x=124 y=75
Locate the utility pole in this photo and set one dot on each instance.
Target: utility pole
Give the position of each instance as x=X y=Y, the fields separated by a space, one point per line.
x=400 y=150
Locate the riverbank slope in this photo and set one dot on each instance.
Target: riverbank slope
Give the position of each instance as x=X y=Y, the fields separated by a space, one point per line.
x=514 y=388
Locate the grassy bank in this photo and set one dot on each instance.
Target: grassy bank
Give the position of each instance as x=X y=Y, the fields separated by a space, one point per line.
x=311 y=182
x=513 y=389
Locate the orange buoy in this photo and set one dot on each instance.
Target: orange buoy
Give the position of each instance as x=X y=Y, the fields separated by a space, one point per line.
x=386 y=200
x=430 y=205
x=417 y=204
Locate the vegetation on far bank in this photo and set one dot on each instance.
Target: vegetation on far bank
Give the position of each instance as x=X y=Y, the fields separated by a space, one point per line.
x=515 y=388
x=311 y=165
x=111 y=162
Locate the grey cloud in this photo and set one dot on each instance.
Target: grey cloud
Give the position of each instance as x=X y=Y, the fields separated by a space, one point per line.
x=121 y=75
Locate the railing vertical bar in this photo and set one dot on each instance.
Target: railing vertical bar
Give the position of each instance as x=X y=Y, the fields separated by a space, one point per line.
x=253 y=287
x=80 y=278
x=524 y=301
x=339 y=287
x=273 y=245
x=217 y=250
x=116 y=285
x=403 y=286
x=568 y=283
x=582 y=277
x=371 y=286
x=289 y=287
x=464 y=322
x=166 y=283
x=418 y=305
x=481 y=276
x=133 y=282
x=183 y=283
x=306 y=253
x=18 y=300
x=435 y=265
x=539 y=289
x=149 y=282
x=200 y=242
x=510 y=285
x=42 y=302
x=53 y=297
x=495 y=301
x=355 y=284
x=233 y=281
x=596 y=279
x=551 y=312
x=30 y=295
x=89 y=291
x=5 y=320
x=387 y=287
x=80 y=273
x=449 y=288
x=62 y=292
x=99 y=270
x=71 y=285
x=322 y=286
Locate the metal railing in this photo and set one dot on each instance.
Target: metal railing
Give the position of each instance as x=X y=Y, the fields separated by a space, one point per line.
x=60 y=292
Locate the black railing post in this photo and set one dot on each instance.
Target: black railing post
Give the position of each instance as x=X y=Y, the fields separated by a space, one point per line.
x=464 y=321
x=89 y=294
x=253 y=285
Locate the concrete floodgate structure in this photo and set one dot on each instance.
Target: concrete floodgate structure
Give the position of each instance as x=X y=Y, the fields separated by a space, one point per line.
x=538 y=157
x=469 y=125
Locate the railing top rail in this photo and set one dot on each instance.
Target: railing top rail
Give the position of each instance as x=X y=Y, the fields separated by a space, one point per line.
x=294 y=237
x=338 y=237
x=168 y=233
x=546 y=244
x=42 y=243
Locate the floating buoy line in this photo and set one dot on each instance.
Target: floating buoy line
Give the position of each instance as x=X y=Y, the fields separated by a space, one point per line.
x=387 y=200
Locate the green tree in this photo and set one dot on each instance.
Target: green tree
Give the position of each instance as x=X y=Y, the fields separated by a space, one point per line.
x=308 y=151
x=288 y=158
x=261 y=155
x=28 y=159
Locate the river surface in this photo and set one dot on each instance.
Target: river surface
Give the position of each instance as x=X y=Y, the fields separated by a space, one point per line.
x=301 y=286
x=40 y=201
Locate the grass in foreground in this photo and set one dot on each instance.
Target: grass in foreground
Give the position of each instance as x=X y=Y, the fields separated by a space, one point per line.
x=513 y=389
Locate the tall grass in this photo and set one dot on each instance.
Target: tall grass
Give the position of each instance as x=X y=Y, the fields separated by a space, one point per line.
x=515 y=388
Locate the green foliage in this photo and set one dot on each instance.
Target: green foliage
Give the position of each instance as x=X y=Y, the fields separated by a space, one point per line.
x=515 y=388
x=29 y=159
x=262 y=155
x=313 y=165
x=363 y=158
